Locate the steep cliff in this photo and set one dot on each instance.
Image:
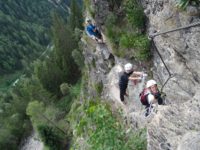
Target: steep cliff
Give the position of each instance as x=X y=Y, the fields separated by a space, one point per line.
x=180 y=51
x=177 y=124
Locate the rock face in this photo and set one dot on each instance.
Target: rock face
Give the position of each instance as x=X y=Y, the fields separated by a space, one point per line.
x=180 y=49
x=99 y=60
x=32 y=143
x=177 y=125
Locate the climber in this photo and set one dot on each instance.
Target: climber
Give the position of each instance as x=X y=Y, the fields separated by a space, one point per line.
x=150 y=96
x=125 y=77
x=93 y=32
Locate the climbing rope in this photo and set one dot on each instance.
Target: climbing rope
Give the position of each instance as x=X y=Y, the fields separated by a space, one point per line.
x=180 y=28
x=170 y=74
x=154 y=47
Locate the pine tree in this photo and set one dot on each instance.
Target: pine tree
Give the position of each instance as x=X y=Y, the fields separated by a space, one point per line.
x=75 y=17
x=65 y=43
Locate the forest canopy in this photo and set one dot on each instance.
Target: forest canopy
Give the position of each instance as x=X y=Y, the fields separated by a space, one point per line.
x=25 y=26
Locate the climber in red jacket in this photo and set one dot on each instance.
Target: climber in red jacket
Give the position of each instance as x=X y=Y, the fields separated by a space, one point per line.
x=150 y=96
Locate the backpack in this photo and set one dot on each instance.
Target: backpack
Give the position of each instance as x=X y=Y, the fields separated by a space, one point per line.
x=143 y=96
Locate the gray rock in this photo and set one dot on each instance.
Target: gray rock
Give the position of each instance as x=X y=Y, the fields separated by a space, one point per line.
x=173 y=125
x=192 y=11
x=147 y=11
x=190 y=140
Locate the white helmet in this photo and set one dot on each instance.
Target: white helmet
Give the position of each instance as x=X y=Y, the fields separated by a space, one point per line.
x=150 y=83
x=128 y=67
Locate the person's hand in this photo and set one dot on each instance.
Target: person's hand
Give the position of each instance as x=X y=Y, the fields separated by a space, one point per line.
x=144 y=75
x=157 y=95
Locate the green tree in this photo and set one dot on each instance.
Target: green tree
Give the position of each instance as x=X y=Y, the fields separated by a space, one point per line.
x=25 y=27
x=75 y=16
x=65 y=43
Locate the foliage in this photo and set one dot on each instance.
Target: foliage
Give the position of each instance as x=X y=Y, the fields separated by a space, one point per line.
x=51 y=137
x=64 y=87
x=184 y=3
x=43 y=119
x=65 y=103
x=35 y=110
x=98 y=87
x=137 y=140
x=75 y=17
x=24 y=32
x=26 y=26
x=7 y=80
x=13 y=111
x=50 y=75
x=88 y=6
x=140 y=43
x=102 y=130
x=123 y=37
x=78 y=58
x=134 y=13
x=61 y=66
x=114 y=4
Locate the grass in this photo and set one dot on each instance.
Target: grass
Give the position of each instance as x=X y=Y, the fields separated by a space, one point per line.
x=100 y=134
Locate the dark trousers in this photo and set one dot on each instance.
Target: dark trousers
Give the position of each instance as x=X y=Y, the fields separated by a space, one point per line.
x=98 y=34
x=122 y=93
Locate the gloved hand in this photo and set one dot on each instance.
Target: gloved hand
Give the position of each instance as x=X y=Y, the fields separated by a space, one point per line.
x=144 y=75
x=157 y=95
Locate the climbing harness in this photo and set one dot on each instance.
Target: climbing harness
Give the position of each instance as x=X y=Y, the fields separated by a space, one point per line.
x=151 y=110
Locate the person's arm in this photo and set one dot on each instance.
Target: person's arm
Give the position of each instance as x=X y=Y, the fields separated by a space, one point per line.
x=135 y=78
x=94 y=28
x=138 y=73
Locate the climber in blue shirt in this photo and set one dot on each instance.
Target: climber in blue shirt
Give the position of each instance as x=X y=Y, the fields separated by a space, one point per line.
x=93 y=32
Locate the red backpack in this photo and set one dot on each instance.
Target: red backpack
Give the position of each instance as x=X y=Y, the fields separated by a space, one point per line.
x=143 y=96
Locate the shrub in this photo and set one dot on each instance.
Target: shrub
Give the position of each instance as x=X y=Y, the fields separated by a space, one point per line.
x=78 y=58
x=127 y=41
x=110 y=20
x=52 y=138
x=139 y=43
x=101 y=129
x=88 y=6
x=134 y=13
x=99 y=87
x=64 y=88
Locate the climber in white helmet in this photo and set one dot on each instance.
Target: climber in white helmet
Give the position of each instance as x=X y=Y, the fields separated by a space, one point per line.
x=125 y=77
x=150 y=95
